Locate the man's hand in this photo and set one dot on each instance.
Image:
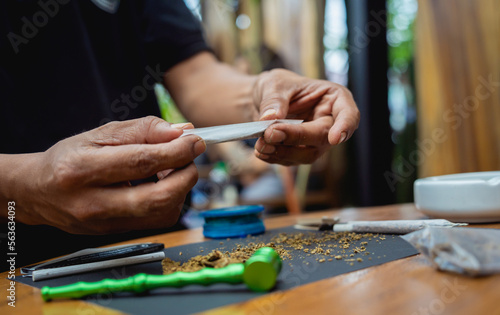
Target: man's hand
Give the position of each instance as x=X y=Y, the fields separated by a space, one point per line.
x=82 y=184
x=210 y=93
x=328 y=109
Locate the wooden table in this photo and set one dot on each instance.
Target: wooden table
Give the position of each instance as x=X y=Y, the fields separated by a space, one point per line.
x=406 y=286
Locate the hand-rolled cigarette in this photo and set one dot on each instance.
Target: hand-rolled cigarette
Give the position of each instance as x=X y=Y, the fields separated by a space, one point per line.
x=391 y=226
x=385 y=227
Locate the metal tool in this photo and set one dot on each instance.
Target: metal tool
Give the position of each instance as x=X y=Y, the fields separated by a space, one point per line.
x=317 y=224
x=259 y=273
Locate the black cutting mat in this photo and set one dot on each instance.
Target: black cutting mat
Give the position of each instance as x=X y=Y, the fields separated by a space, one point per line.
x=301 y=269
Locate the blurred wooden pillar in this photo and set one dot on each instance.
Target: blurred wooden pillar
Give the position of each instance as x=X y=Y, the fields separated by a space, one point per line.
x=312 y=33
x=218 y=21
x=458 y=86
x=294 y=29
x=251 y=38
x=281 y=22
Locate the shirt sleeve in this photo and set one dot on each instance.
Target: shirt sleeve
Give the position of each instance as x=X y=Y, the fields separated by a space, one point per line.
x=171 y=33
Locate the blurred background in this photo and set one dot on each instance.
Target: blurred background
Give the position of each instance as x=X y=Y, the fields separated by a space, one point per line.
x=425 y=75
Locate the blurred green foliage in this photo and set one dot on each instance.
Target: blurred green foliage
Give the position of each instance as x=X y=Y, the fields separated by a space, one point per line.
x=400 y=32
x=401 y=16
x=168 y=109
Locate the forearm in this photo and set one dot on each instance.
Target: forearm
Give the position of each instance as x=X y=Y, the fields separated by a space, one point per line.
x=81 y=184
x=211 y=93
x=16 y=184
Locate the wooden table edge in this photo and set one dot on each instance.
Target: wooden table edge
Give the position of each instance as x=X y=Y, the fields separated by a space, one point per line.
x=29 y=301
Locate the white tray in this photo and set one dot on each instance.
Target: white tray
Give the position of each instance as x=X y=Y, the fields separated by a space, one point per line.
x=466 y=197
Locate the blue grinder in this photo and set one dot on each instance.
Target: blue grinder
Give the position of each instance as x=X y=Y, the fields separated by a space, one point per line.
x=233 y=222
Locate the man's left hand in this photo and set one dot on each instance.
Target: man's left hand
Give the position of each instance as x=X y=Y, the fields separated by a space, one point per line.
x=329 y=112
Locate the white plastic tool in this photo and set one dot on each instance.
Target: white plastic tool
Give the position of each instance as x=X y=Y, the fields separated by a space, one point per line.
x=465 y=197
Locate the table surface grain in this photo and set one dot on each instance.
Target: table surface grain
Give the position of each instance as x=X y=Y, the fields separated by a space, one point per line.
x=406 y=286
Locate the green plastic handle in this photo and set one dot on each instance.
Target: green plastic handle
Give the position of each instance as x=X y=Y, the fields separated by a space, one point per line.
x=142 y=282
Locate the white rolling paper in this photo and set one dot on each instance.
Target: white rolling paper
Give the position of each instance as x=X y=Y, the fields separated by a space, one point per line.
x=225 y=133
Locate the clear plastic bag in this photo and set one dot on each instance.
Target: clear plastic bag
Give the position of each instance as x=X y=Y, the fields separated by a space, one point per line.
x=470 y=251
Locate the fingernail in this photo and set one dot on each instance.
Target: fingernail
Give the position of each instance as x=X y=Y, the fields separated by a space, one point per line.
x=268 y=114
x=277 y=136
x=187 y=125
x=200 y=146
x=343 y=136
x=268 y=149
x=262 y=156
x=162 y=174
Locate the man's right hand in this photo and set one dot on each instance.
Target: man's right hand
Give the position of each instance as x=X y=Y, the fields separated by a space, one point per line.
x=82 y=184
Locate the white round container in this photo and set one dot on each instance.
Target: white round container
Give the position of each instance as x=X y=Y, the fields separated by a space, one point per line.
x=466 y=197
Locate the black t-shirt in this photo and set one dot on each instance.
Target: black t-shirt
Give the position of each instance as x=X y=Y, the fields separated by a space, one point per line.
x=67 y=66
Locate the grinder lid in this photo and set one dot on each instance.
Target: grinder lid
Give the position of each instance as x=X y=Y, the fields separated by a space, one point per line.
x=230 y=222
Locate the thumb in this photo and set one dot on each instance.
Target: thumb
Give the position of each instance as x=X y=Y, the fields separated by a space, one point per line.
x=135 y=131
x=271 y=97
x=274 y=105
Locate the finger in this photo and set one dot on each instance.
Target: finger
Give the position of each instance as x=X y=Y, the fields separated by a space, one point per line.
x=112 y=164
x=273 y=107
x=143 y=130
x=292 y=155
x=312 y=133
x=346 y=118
x=183 y=126
x=273 y=97
x=162 y=199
